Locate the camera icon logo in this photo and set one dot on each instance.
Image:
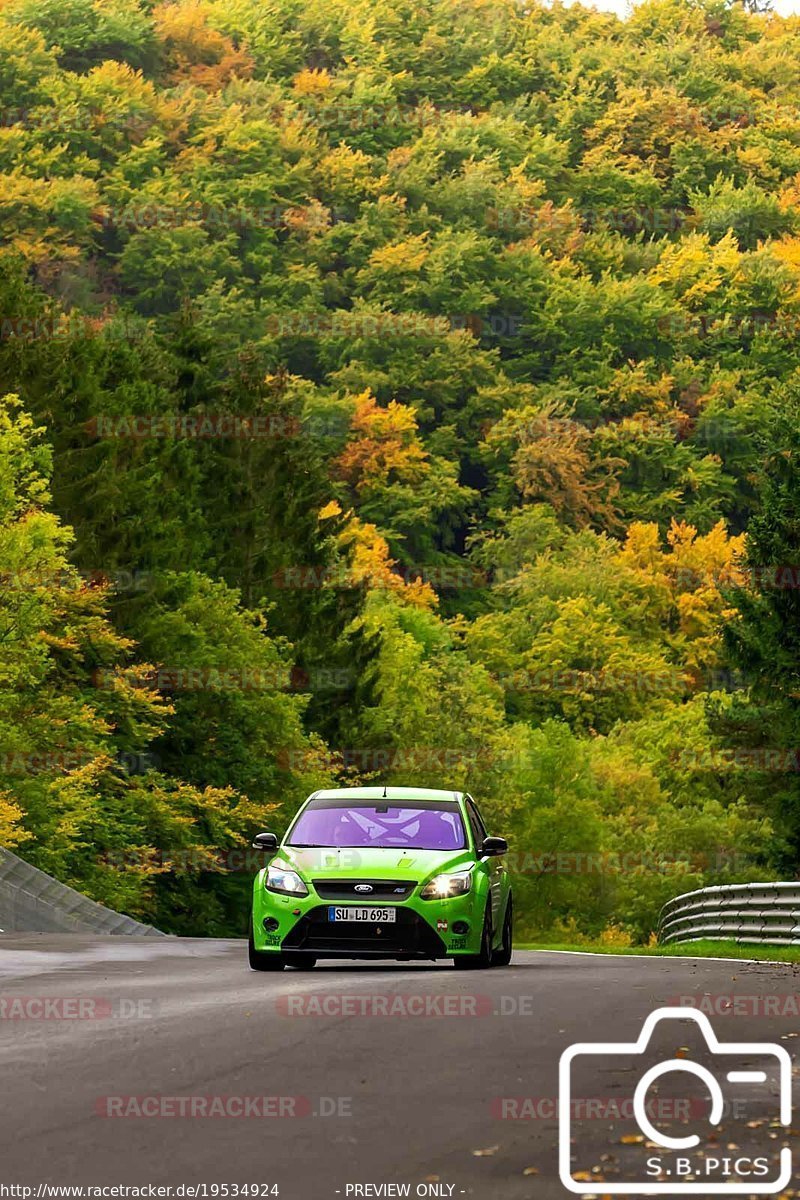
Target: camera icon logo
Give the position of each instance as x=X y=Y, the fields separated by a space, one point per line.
x=678 y=1164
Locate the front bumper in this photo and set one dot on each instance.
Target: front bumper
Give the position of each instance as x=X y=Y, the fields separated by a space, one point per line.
x=422 y=929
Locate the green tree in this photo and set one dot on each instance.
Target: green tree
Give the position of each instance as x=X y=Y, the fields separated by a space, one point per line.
x=764 y=640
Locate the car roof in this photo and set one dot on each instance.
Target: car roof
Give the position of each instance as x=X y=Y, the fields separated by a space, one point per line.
x=390 y=792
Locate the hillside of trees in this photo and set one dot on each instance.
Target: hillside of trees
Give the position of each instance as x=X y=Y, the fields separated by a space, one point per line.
x=401 y=391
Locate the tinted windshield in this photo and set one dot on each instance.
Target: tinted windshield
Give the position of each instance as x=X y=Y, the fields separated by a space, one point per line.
x=387 y=826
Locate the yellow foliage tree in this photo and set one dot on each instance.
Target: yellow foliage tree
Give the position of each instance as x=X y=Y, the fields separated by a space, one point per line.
x=11 y=833
x=385 y=443
x=370 y=564
x=195 y=52
x=694 y=574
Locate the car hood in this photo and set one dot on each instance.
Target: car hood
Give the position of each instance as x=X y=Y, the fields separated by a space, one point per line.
x=373 y=863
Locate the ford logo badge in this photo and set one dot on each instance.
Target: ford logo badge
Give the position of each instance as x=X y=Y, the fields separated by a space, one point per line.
x=363 y=887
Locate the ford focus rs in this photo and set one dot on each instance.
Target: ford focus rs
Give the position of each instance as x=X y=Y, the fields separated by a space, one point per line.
x=382 y=873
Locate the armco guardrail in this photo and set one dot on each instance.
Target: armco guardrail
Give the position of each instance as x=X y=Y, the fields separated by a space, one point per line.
x=768 y=913
x=33 y=902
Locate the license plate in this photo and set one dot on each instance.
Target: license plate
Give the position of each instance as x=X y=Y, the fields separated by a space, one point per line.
x=377 y=916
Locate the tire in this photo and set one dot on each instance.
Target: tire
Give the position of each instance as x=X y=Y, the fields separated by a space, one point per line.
x=483 y=959
x=300 y=961
x=502 y=957
x=262 y=960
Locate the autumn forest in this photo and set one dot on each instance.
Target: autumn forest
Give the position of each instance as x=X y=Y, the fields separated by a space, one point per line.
x=401 y=391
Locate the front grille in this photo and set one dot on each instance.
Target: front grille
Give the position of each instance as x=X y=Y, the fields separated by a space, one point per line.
x=408 y=936
x=345 y=889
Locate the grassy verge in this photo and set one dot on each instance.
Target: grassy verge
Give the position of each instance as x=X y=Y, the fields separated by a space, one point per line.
x=790 y=954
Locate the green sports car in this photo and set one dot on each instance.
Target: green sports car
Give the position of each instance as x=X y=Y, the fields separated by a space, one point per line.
x=382 y=872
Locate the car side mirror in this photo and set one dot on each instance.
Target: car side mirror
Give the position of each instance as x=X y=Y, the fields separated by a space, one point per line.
x=265 y=841
x=493 y=846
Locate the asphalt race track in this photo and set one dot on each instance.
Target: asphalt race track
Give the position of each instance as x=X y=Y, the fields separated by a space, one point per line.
x=365 y=1074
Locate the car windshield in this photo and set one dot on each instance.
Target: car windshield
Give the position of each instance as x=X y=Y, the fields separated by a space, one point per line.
x=386 y=826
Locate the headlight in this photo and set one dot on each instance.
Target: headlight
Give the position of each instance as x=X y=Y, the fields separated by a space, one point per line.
x=279 y=879
x=442 y=887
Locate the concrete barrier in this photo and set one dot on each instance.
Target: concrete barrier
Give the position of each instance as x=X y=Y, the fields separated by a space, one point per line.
x=33 y=902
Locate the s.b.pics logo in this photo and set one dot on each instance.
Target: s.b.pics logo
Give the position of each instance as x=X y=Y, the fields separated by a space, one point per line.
x=704 y=1117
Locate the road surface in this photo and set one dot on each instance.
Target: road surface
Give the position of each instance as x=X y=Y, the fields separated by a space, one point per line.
x=133 y=1061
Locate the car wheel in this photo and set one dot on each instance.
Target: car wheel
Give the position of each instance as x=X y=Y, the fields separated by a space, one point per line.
x=300 y=961
x=262 y=960
x=483 y=959
x=502 y=957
